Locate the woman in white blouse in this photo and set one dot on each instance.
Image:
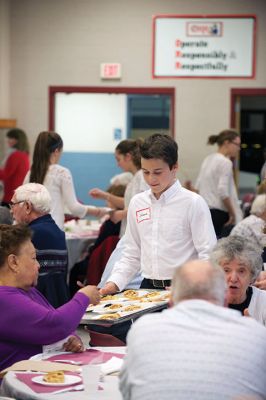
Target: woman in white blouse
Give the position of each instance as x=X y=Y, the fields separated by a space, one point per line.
x=127 y=154
x=215 y=182
x=57 y=179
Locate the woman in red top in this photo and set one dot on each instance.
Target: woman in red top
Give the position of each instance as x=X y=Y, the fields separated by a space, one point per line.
x=16 y=164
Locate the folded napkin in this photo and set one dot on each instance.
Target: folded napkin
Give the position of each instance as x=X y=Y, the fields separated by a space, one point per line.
x=37 y=388
x=112 y=365
x=89 y=356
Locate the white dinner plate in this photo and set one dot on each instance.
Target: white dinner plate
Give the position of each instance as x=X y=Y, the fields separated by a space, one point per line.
x=69 y=380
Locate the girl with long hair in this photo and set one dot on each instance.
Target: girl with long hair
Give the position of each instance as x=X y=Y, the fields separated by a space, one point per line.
x=57 y=179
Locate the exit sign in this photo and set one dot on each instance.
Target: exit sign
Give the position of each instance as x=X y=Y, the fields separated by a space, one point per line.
x=110 y=71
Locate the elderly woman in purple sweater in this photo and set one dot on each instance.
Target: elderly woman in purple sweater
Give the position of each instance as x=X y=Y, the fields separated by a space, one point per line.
x=28 y=321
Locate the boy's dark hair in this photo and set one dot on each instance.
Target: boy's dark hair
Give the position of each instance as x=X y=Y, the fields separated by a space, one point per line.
x=162 y=147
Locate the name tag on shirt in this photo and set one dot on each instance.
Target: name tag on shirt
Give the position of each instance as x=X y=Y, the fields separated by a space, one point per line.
x=143 y=215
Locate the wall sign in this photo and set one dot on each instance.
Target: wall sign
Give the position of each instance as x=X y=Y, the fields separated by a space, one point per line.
x=214 y=46
x=110 y=71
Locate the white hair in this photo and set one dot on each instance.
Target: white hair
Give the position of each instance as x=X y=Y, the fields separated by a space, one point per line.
x=36 y=194
x=237 y=247
x=258 y=206
x=210 y=285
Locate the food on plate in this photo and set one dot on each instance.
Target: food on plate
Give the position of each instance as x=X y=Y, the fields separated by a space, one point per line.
x=132 y=307
x=131 y=294
x=152 y=294
x=114 y=306
x=146 y=300
x=165 y=296
x=110 y=316
x=109 y=297
x=55 y=377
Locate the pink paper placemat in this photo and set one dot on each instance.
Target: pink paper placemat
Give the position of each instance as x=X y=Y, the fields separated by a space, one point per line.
x=87 y=357
x=37 y=388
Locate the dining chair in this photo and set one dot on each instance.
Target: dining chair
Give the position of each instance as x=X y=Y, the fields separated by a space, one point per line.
x=54 y=287
x=104 y=339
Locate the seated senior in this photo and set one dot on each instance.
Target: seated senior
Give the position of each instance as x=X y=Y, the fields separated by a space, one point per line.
x=31 y=204
x=28 y=321
x=196 y=349
x=242 y=263
x=251 y=228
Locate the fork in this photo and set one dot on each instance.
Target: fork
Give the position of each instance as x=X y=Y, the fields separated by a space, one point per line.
x=69 y=389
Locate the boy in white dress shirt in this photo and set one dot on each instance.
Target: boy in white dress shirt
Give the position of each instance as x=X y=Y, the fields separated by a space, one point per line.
x=167 y=225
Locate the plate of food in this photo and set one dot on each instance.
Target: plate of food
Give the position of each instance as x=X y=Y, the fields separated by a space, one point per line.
x=113 y=307
x=133 y=308
x=56 y=378
x=131 y=294
x=109 y=298
x=107 y=316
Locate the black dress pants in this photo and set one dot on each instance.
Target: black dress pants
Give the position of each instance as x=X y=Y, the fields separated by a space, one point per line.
x=219 y=218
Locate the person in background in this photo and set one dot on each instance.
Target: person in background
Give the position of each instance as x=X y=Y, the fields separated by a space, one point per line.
x=5 y=216
x=196 y=349
x=215 y=182
x=167 y=224
x=16 y=164
x=57 y=179
x=242 y=263
x=127 y=154
x=28 y=321
x=252 y=227
x=31 y=204
x=121 y=179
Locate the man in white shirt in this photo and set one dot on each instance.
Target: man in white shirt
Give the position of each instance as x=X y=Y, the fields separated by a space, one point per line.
x=196 y=349
x=167 y=225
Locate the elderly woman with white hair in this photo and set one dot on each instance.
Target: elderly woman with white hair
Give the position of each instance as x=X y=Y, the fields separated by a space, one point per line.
x=242 y=263
x=252 y=227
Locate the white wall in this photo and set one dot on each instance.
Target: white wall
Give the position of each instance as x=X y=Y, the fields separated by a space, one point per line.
x=63 y=42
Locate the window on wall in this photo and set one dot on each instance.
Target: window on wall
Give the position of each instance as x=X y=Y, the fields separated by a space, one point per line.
x=97 y=118
x=148 y=114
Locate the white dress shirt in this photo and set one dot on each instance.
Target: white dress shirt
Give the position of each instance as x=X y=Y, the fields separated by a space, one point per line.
x=163 y=234
x=136 y=185
x=257 y=305
x=195 y=351
x=216 y=182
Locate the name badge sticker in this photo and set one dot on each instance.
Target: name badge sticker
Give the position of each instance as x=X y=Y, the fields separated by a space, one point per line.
x=143 y=215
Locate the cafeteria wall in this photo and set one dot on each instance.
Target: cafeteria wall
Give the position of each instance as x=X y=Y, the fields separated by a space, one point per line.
x=63 y=42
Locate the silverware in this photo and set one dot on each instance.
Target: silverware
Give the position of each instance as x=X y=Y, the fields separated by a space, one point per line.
x=69 y=389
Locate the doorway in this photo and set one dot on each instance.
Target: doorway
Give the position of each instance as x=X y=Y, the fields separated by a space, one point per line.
x=93 y=120
x=248 y=116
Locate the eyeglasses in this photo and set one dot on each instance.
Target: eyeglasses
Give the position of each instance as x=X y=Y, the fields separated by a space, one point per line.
x=12 y=204
x=236 y=144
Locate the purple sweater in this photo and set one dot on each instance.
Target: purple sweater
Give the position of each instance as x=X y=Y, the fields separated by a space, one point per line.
x=28 y=322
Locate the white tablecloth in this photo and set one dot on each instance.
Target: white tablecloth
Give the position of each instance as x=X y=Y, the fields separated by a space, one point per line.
x=12 y=387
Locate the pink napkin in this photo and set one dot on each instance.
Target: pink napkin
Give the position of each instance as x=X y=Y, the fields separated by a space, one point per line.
x=37 y=388
x=87 y=357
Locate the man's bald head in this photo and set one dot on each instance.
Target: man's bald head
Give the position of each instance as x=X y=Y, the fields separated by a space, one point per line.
x=199 y=279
